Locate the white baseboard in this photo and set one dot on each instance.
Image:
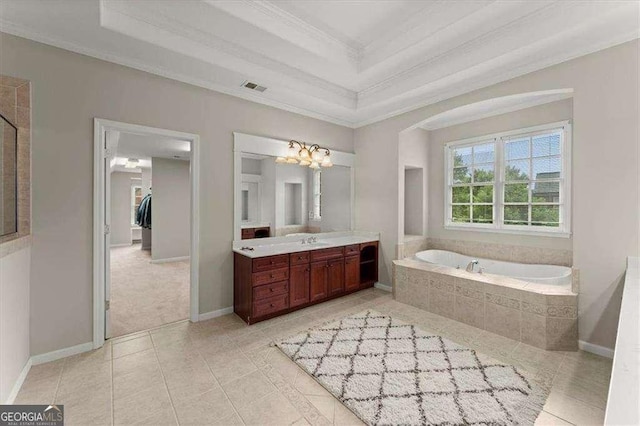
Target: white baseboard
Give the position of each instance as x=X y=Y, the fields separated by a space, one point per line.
x=595 y=349
x=383 y=287
x=215 y=314
x=61 y=353
x=18 y=384
x=170 y=259
x=120 y=245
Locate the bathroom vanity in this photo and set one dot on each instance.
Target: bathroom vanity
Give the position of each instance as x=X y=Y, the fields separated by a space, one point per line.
x=277 y=278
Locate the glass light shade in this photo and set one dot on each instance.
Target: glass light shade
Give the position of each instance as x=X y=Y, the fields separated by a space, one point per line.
x=317 y=156
x=292 y=161
x=304 y=154
x=326 y=161
x=314 y=165
x=292 y=152
x=304 y=162
x=281 y=160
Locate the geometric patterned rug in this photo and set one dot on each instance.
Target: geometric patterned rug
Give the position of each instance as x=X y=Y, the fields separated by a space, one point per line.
x=389 y=372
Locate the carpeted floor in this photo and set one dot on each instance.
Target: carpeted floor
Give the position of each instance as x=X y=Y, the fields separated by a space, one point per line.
x=390 y=372
x=143 y=294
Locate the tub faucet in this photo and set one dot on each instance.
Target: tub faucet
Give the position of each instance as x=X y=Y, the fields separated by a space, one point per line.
x=472 y=265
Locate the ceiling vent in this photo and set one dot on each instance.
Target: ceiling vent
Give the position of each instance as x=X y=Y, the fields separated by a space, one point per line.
x=253 y=86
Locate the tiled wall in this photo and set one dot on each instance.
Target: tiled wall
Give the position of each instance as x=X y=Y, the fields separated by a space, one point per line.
x=15 y=105
x=496 y=304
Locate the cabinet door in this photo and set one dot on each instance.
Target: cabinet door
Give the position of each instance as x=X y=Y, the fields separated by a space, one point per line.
x=318 y=287
x=335 y=276
x=299 y=285
x=352 y=273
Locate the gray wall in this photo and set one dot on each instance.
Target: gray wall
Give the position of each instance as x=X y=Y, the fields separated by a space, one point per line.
x=336 y=199
x=14 y=317
x=605 y=174
x=69 y=90
x=414 y=193
x=170 y=209
x=121 y=207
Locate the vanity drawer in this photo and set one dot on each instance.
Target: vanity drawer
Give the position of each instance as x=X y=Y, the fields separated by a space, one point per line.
x=352 y=250
x=300 y=258
x=270 y=305
x=260 y=278
x=269 y=290
x=271 y=262
x=325 y=254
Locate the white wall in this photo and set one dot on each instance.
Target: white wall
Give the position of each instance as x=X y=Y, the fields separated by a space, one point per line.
x=170 y=209
x=121 y=207
x=413 y=147
x=605 y=174
x=336 y=199
x=414 y=194
x=251 y=166
x=288 y=173
x=62 y=164
x=14 y=318
x=268 y=193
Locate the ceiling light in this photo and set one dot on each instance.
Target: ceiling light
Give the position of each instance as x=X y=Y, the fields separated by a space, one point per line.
x=131 y=163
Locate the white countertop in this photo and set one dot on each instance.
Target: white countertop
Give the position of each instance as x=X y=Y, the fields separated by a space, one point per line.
x=624 y=388
x=254 y=225
x=281 y=245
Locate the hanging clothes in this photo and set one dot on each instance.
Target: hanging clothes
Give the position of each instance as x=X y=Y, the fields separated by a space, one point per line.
x=143 y=215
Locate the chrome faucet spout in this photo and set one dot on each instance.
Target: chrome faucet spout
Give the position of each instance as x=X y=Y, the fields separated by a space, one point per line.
x=472 y=265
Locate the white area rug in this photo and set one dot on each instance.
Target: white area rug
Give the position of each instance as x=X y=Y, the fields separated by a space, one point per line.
x=390 y=372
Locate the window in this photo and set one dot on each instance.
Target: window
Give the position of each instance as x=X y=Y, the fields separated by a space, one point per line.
x=136 y=199
x=510 y=182
x=317 y=194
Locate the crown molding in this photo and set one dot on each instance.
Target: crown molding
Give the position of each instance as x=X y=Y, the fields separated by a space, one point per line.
x=269 y=10
x=40 y=37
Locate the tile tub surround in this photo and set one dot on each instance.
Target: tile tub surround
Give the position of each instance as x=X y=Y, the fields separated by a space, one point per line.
x=15 y=105
x=505 y=252
x=538 y=315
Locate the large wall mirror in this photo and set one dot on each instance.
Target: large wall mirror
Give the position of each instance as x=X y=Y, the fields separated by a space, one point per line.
x=275 y=199
x=8 y=178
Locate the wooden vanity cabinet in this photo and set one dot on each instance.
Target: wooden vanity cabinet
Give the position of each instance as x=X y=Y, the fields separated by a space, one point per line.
x=269 y=286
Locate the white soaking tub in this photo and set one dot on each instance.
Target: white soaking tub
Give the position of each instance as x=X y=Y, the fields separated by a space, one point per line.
x=542 y=274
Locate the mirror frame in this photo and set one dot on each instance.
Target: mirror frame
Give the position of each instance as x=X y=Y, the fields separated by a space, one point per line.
x=252 y=144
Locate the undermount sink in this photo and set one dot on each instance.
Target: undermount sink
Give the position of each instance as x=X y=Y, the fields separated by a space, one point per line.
x=316 y=244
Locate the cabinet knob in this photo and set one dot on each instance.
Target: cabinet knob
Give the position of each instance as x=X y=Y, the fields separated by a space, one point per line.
x=271 y=305
x=271 y=275
x=272 y=262
x=271 y=290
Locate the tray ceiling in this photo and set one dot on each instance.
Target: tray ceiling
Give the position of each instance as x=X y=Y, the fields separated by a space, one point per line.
x=348 y=62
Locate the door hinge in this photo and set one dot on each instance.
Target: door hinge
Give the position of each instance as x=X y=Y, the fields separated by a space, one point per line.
x=107 y=305
x=107 y=229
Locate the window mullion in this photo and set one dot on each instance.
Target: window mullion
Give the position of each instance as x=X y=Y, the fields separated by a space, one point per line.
x=500 y=167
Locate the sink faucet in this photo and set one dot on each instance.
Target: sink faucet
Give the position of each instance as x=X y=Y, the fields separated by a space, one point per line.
x=472 y=265
x=310 y=240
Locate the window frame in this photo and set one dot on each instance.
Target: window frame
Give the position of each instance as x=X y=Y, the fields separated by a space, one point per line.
x=498 y=225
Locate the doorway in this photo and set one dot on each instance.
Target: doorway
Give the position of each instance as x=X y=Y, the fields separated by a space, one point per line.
x=145 y=276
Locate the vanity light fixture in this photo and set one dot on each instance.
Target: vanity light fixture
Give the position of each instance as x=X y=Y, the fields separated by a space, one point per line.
x=313 y=156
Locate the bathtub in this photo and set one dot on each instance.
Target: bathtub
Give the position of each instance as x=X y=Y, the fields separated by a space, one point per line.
x=542 y=274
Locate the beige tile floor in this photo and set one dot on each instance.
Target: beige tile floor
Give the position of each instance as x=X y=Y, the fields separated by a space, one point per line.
x=145 y=295
x=224 y=372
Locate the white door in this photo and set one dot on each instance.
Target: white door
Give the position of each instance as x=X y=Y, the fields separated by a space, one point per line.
x=109 y=154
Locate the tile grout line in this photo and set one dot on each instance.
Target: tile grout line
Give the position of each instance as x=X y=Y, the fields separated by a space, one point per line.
x=220 y=385
x=164 y=380
x=55 y=394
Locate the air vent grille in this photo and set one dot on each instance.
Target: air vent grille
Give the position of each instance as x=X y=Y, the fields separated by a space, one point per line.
x=253 y=86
